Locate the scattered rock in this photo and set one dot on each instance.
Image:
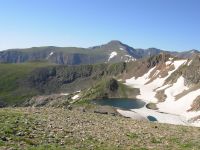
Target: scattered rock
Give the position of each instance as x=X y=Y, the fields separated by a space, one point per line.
x=152 y=106
x=20 y=133
x=3 y=138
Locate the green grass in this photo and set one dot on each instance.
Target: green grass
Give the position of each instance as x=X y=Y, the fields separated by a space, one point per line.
x=47 y=147
x=187 y=145
x=11 y=124
x=100 y=131
x=102 y=90
x=156 y=140
x=123 y=89
x=12 y=85
x=132 y=135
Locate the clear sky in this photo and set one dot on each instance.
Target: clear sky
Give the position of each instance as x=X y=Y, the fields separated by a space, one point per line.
x=165 y=24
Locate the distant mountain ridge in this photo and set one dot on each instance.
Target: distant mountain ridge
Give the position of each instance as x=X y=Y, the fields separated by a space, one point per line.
x=112 y=52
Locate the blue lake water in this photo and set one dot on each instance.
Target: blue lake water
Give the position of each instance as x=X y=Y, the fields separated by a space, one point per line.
x=121 y=103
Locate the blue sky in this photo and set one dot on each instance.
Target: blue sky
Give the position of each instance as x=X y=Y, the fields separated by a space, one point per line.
x=165 y=24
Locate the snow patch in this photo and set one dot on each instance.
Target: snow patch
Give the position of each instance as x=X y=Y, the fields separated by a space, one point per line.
x=112 y=55
x=181 y=105
x=50 y=55
x=177 y=88
x=129 y=58
x=122 y=49
x=131 y=114
x=173 y=111
x=168 y=63
x=75 y=96
x=159 y=116
x=64 y=94
x=78 y=91
x=148 y=91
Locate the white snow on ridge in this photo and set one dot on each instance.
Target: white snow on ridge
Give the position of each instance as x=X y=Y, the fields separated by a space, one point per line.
x=168 y=63
x=121 y=48
x=112 y=55
x=147 y=91
x=50 y=55
x=75 y=97
x=175 y=89
x=64 y=94
x=129 y=58
x=173 y=111
x=181 y=105
x=178 y=63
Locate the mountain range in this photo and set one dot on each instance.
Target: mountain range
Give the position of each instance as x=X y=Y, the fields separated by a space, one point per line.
x=167 y=81
x=112 y=52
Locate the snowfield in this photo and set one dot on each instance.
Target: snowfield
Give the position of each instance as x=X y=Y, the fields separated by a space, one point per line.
x=112 y=55
x=148 y=91
x=181 y=105
x=172 y=111
x=144 y=112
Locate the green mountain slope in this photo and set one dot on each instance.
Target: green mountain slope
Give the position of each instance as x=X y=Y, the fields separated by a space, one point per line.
x=13 y=88
x=19 y=82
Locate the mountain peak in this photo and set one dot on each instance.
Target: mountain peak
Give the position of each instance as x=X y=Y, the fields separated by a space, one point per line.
x=194 y=51
x=115 y=42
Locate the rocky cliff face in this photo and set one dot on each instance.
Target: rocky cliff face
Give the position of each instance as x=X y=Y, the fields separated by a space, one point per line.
x=47 y=54
x=192 y=71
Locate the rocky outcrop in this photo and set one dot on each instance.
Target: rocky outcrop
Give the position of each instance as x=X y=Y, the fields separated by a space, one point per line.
x=54 y=100
x=195 y=105
x=160 y=95
x=2 y=104
x=191 y=72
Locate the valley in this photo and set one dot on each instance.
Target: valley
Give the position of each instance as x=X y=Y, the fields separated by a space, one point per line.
x=99 y=75
x=124 y=87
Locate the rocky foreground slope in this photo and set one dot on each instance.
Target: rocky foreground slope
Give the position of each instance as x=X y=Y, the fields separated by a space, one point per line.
x=57 y=129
